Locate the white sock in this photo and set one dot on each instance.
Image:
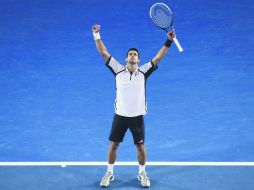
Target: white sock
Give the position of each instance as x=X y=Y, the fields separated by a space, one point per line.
x=142 y=168
x=110 y=168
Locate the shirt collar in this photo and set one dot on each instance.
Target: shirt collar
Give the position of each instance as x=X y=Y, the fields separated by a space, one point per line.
x=126 y=69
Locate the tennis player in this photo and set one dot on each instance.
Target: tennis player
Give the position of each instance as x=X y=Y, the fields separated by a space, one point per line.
x=130 y=102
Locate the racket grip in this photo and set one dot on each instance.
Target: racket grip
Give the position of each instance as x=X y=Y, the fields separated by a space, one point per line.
x=179 y=47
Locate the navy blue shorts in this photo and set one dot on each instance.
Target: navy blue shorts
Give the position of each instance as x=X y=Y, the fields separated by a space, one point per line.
x=121 y=124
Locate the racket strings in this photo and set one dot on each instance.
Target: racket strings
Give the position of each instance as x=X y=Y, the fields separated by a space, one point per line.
x=161 y=16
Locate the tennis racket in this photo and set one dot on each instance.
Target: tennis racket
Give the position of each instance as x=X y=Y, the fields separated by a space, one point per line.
x=162 y=17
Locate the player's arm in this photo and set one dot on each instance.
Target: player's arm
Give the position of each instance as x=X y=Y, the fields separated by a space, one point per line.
x=99 y=44
x=164 y=49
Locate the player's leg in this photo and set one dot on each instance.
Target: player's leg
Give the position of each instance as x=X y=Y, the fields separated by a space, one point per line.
x=138 y=132
x=142 y=175
x=141 y=154
x=112 y=152
x=117 y=133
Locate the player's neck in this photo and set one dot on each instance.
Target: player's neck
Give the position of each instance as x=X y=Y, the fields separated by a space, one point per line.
x=132 y=67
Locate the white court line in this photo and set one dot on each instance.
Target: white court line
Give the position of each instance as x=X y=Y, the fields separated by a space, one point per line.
x=63 y=164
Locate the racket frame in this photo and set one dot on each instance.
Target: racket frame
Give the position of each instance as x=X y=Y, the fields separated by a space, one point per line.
x=170 y=27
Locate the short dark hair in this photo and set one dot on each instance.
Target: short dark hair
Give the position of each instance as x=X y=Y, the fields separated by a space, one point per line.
x=132 y=49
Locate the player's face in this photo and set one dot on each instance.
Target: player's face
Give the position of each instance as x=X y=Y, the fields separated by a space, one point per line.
x=132 y=57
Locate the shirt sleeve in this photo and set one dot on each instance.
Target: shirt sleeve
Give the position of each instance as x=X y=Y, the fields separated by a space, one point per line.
x=148 y=68
x=114 y=66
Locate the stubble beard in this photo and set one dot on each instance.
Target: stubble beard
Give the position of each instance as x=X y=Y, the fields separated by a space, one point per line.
x=132 y=62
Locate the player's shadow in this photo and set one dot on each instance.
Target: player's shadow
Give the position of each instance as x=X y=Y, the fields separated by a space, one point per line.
x=119 y=183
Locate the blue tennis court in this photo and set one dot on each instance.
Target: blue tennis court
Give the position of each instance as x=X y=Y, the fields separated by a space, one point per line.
x=179 y=178
x=57 y=96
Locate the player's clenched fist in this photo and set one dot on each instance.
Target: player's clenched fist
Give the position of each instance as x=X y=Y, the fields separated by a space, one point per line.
x=171 y=35
x=96 y=28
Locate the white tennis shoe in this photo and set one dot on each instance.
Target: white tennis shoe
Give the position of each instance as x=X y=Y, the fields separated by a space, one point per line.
x=144 y=180
x=107 y=178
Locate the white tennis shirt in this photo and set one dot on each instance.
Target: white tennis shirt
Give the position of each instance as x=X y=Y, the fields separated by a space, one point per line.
x=130 y=88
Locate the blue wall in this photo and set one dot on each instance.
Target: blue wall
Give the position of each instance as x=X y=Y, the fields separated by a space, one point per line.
x=56 y=95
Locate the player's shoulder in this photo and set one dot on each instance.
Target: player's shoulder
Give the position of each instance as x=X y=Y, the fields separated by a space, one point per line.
x=145 y=65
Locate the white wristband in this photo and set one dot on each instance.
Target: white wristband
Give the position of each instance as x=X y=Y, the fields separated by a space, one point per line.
x=96 y=35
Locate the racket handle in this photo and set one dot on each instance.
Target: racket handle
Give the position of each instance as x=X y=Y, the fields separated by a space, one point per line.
x=178 y=45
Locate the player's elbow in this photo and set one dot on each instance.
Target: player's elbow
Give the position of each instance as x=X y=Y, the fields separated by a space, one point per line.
x=157 y=59
x=105 y=55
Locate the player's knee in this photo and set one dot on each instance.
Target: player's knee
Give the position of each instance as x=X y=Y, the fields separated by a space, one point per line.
x=140 y=148
x=114 y=146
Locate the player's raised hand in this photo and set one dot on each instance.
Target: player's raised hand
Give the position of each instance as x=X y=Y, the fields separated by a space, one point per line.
x=171 y=35
x=96 y=28
x=96 y=34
